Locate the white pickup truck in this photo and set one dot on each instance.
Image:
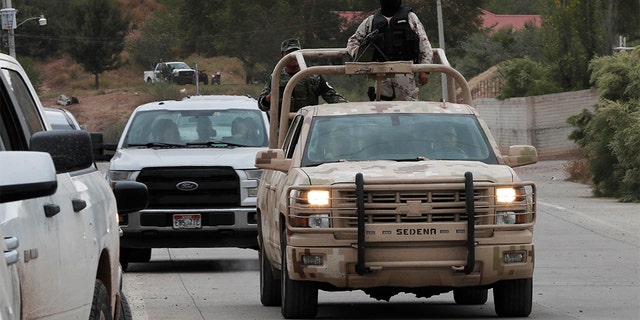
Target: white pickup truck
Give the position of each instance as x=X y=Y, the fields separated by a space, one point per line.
x=196 y=157
x=58 y=215
x=176 y=71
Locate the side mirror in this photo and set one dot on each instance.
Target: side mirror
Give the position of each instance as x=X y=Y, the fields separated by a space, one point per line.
x=521 y=155
x=273 y=159
x=130 y=196
x=70 y=150
x=26 y=175
x=101 y=151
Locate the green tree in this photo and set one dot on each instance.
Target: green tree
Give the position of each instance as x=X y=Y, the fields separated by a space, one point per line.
x=525 y=77
x=159 y=40
x=573 y=36
x=611 y=134
x=490 y=49
x=460 y=19
x=99 y=29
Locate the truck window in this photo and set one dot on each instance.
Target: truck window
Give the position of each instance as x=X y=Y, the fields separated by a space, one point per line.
x=25 y=103
x=293 y=134
x=400 y=137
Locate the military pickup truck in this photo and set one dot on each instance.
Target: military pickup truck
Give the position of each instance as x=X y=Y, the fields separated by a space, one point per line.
x=390 y=197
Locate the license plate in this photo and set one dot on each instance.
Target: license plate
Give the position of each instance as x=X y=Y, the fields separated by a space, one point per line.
x=187 y=221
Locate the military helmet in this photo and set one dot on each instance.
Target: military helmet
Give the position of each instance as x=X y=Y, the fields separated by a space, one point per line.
x=290 y=45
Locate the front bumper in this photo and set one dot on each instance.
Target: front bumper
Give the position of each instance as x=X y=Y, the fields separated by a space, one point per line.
x=153 y=228
x=437 y=264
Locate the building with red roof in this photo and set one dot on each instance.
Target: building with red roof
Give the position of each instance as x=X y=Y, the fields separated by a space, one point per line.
x=508 y=21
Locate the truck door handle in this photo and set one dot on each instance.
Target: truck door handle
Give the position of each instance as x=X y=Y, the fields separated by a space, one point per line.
x=78 y=204
x=51 y=210
x=11 y=243
x=11 y=256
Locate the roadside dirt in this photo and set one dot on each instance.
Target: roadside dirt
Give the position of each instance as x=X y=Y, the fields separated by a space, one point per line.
x=100 y=112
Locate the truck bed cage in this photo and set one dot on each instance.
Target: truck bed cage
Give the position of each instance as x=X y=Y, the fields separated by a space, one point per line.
x=375 y=70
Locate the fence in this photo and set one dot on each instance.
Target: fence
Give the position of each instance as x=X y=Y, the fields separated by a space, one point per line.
x=540 y=121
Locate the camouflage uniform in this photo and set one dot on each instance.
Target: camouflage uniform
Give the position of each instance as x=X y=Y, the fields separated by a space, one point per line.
x=306 y=92
x=403 y=85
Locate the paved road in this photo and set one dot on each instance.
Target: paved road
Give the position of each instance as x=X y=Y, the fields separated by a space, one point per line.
x=587 y=267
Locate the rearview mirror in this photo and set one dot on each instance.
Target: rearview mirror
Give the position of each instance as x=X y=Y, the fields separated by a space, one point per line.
x=273 y=159
x=26 y=175
x=70 y=150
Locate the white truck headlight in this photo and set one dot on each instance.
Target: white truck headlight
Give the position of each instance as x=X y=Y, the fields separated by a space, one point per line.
x=255 y=175
x=319 y=221
x=505 y=195
x=121 y=175
x=506 y=217
x=318 y=197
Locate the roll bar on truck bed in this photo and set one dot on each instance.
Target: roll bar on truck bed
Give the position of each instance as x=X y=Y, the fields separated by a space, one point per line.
x=375 y=70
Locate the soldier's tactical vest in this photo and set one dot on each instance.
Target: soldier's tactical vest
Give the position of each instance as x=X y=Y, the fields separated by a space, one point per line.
x=304 y=94
x=396 y=39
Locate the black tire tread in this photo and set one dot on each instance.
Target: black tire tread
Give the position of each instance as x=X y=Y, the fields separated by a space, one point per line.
x=513 y=298
x=101 y=302
x=299 y=298
x=270 y=294
x=125 y=309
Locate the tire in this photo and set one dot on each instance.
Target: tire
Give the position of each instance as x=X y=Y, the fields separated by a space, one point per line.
x=149 y=80
x=513 y=298
x=125 y=309
x=205 y=80
x=299 y=298
x=101 y=306
x=470 y=296
x=270 y=288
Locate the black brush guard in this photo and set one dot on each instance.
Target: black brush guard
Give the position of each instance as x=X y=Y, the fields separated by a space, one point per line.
x=361 y=269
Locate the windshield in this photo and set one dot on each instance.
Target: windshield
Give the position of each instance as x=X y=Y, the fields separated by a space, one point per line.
x=178 y=65
x=196 y=128
x=401 y=137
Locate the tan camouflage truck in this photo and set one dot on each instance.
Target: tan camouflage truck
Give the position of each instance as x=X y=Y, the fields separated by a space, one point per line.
x=390 y=197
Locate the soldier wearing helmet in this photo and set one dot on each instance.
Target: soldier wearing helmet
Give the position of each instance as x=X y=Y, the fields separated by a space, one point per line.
x=306 y=92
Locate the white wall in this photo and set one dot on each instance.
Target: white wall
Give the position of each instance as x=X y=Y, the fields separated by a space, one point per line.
x=540 y=121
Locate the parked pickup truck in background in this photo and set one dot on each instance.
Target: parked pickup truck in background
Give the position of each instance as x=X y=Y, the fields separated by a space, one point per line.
x=391 y=196
x=58 y=213
x=175 y=72
x=196 y=157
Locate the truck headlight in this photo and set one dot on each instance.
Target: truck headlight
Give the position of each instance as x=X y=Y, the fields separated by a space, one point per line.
x=505 y=195
x=310 y=197
x=319 y=221
x=506 y=217
x=318 y=197
x=121 y=175
x=312 y=221
x=255 y=175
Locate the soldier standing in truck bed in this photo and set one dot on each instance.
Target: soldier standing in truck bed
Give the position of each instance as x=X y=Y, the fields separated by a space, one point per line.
x=393 y=33
x=306 y=92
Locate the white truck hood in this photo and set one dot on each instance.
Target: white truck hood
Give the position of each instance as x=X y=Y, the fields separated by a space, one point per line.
x=344 y=172
x=136 y=159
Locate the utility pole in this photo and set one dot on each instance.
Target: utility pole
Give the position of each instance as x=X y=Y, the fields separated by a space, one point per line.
x=9 y=23
x=441 y=41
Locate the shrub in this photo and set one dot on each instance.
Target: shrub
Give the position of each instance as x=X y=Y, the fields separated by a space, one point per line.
x=610 y=136
x=525 y=77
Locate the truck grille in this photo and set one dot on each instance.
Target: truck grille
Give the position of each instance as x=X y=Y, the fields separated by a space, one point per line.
x=218 y=187
x=407 y=206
